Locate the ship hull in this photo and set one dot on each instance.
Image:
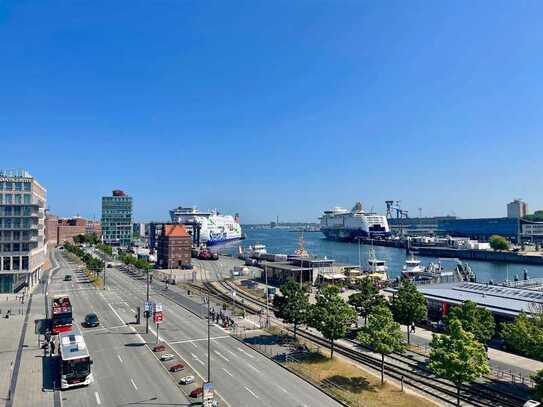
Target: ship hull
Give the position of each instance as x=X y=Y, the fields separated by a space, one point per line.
x=351 y=235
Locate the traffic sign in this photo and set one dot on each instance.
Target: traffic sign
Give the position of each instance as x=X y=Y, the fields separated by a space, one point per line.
x=208 y=393
x=157 y=307
x=147 y=306
x=158 y=317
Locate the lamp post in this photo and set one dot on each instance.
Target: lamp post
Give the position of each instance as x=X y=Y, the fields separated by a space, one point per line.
x=147 y=310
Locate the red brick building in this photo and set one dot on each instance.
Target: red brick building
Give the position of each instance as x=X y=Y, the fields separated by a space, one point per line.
x=58 y=231
x=94 y=227
x=51 y=233
x=174 y=246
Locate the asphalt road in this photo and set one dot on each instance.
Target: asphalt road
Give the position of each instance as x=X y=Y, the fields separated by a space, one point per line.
x=242 y=376
x=125 y=370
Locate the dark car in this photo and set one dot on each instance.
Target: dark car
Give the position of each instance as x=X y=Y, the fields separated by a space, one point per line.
x=196 y=392
x=91 y=320
x=68 y=277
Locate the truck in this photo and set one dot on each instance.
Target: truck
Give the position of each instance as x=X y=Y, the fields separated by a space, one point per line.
x=75 y=361
x=61 y=314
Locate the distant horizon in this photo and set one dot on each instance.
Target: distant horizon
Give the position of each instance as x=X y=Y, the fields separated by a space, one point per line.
x=433 y=104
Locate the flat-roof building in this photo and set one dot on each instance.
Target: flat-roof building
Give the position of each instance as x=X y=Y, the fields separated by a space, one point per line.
x=117 y=219
x=22 y=230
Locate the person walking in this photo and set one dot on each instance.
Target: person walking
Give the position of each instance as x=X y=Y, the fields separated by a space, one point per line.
x=52 y=348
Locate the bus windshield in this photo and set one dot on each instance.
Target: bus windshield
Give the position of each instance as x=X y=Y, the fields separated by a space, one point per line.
x=76 y=367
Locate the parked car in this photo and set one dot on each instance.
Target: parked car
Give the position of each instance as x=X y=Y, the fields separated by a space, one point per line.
x=176 y=368
x=187 y=267
x=68 y=277
x=166 y=357
x=159 y=348
x=91 y=320
x=187 y=380
x=532 y=403
x=196 y=392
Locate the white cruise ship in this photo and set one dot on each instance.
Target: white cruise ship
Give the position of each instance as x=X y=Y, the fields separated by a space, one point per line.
x=341 y=224
x=208 y=227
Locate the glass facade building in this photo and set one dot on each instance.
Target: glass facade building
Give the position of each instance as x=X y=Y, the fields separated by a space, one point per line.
x=117 y=219
x=481 y=228
x=22 y=230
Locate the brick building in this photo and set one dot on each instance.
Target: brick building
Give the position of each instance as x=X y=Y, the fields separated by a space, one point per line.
x=174 y=246
x=59 y=231
x=93 y=227
x=51 y=232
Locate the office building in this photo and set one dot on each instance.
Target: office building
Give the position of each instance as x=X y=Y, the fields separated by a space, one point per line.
x=517 y=209
x=480 y=228
x=154 y=231
x=22 y=230
x=174 y=246
x=138 y=229
x=93 y=227
x=117 y=219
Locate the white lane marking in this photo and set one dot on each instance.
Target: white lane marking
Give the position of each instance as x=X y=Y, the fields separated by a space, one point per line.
x=134 y=384
x=282 y=389
x=132 y=310
x=119 y=356
x=116 y=313
x=193 y=344
x=242 y=351
x=97 y=398
x=221 y=355
x=232 y=353
x=250 y=391
x=252 y=367
x=197 y=359
x=199 y=339
x=227 y=372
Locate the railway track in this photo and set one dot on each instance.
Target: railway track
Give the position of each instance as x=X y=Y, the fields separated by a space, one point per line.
x=397 y=366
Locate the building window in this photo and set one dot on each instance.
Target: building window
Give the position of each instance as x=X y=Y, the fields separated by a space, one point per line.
x=26 y=198
x=25 y=263
x=27 y=186
x=8 y=199
x=18 y=186
x=7 y=263
x=16 y=263
x=9 y=186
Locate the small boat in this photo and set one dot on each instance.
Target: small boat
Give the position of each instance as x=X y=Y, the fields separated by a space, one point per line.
x=256 y=251
x=376 y=268
x=412 y=268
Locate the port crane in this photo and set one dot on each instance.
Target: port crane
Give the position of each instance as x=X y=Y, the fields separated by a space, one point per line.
x=395 y=206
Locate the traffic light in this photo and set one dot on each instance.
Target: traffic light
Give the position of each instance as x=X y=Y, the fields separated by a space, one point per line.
x=146 y=314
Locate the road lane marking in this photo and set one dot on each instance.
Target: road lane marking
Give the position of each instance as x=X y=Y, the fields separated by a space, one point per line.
x=97 y=398
x=197 y=359
x=119 y=356
x=250 y=391
x=134 y=384
x=221 y=355
x=199 y=339
x=252 y=367
x=227 y=372
x=116 y=313
x=242 y=351
x=283 y=389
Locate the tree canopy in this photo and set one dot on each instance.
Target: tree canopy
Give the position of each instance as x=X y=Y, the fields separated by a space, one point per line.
x=458 y=356
x=409 y=305
x=382 y=334
x=538 y=389
x=477 y=320
x=498 y=242
x=331 y=315
x=293 y=305
x=367 y=298
x=524 y=335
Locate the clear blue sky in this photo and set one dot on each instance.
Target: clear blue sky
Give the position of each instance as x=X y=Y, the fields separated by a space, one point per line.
x=275 y=107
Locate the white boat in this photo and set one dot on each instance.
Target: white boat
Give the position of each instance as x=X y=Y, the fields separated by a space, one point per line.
x=376 y=268
x=256 y=251
x=208 y=227
x=412 y=268
x=341 y=224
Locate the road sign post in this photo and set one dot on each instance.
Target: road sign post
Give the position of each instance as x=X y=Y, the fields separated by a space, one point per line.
x=208 y=394
x=158 y=317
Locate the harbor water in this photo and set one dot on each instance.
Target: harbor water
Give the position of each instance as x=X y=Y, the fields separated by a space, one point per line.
x=285 y=241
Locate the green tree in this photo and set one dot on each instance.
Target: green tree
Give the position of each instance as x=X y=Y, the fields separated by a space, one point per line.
x=383 y=334
x=408 y=305
x=477 y=320
x=458 y=356
x=293 y=307
x=366 y=299
x=524 y=335
x=331 y=315
x=498 y=242
x=538 y=389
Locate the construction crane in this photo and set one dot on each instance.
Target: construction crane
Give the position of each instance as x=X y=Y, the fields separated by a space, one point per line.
x=395 y=206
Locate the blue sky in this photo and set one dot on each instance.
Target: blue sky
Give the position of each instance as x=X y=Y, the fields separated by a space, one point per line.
x=275 y=107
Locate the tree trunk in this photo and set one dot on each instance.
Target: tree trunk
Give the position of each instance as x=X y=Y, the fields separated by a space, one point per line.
x=331 y=348
x=457 y=394
x=295 y=325
x=408 y=335
x=382 y=369
x=365 y=320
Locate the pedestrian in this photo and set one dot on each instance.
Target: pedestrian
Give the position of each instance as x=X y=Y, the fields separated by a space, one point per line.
x=52 y=348
x=413 y=327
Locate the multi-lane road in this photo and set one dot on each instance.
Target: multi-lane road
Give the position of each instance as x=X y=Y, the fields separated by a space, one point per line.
x=127 y=372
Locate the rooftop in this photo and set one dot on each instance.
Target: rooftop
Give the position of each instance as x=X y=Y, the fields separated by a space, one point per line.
x=509 y=301
x=15 y=173
x=175 y=230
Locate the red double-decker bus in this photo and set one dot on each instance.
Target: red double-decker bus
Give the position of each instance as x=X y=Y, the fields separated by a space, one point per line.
x=61 y=314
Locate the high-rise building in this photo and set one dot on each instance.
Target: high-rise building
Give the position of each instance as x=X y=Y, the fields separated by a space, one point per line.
x=22 y=230
x=517 y=209
x=117 y=219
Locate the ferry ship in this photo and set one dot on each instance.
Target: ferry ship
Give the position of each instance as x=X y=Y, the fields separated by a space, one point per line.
x=341 y=224
x=210 y=227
